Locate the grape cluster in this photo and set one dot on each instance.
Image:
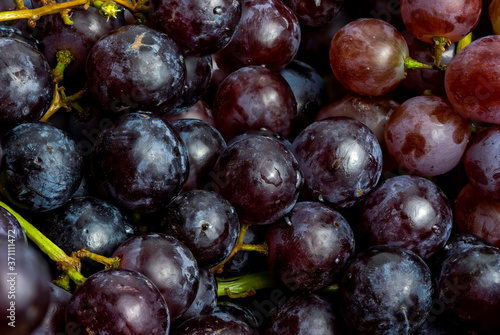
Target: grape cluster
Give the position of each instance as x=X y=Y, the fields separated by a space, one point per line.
x=249 y=167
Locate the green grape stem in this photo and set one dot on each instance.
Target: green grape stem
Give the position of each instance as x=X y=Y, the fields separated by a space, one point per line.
x=69 y=265
x=52 y=8
x=411 y=64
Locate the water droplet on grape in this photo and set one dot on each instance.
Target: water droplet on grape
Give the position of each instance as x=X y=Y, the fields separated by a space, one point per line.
x=320 y=198
x=299 y=179
x=288 y=221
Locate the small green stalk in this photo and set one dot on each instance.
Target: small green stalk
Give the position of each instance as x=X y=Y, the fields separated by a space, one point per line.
x=464 y=42
x=411 y=64
x=71 y=266
x=64 y=58
x=244 y=286
x=108 y=8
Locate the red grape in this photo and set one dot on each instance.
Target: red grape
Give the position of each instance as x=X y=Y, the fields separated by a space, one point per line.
x=367 y=56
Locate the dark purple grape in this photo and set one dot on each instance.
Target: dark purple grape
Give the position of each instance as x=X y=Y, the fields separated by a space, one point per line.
x=168 y=263
x=313 y=13
x=478 y=214
x=198 y=74
x=371 y=111
x=26 y=84
x=204 y=145
x=17 y=34
x=469 y=288
x=251 y=98
x=385 y=290
x=117 y=301
x=199 y=111
x=268 y=34
x=200 y=27
x=237 y=311
x=136 y=68
x=341 y=159
x=88 y=26
x=139 y=163
x=205 y=222
x=10 y=228
x=214 y=324
x=205 y=301
x=456 y=244
x=410 y=212
x=41 y=168
x=54 y=321
x=481 y=162
x=426 y=136
x=309 y=247
x=367 y=56
x=260 y=177
x=24 y=288
x=472 y=80
x=87 y=222
x=452 y=19
x=309 y=90
x=308 y=314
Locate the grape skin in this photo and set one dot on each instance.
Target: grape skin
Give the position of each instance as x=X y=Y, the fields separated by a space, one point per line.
x=472 y=80
x=367 y=56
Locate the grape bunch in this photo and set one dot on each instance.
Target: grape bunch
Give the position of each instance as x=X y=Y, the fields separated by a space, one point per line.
x=246 y=167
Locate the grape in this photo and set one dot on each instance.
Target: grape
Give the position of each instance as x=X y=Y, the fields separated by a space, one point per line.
x=214 y=324
x=367 y=56
x=260 y=177
x=199 y=111
x=309 y=247
x=10 y=227
x=481 y=162
x=452 y=19
x=308 y=314
x=204 y=144
x=87 y=222
x=410 y=212
x=478 y=214
x=135 y=68
x=308 y=89
x=237 y=311
x=153 y=163
x=54 y=320
x=17 y=34
x=24 y=288
x=315 y=13
x=205 y=222
x=88 y=26
x=472 y=80
x=25 y=82
x=205 y=301
x=268 y=34
x=117 y=301
x=200 y=27
x=426 y=136
x=385 y=290
x=341 y=159
x=469 y=288
x=251 y=98
x=168 y=263
x=41 y=168
x=371 y=111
